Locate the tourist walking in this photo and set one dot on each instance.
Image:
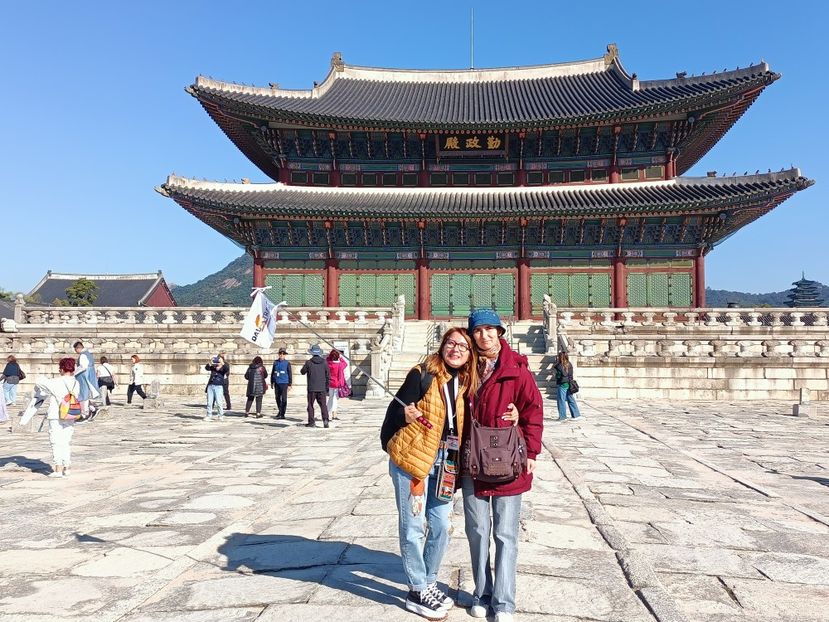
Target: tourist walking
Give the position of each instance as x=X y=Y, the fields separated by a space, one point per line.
x=257 y=377
x=63 y=393
x=422 y=441
x=319 y=379
x=507 y=394
x=215 y=386
x=281 y=379
x=565 y=397
x=136 y=379
x=11 y=376
x=106 y=380
x=87 y=378
x=337 y=386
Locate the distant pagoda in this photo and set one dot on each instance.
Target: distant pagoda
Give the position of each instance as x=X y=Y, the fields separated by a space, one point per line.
x=805 y=293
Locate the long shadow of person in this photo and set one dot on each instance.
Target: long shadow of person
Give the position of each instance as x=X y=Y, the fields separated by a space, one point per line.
x=367 y=574
x=35 y=465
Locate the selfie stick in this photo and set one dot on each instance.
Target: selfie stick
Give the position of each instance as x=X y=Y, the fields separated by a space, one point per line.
x=282 y=306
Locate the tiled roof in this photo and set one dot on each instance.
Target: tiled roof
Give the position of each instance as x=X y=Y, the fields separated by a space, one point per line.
x=680 y=195
x=577 y=92
x=114 y=290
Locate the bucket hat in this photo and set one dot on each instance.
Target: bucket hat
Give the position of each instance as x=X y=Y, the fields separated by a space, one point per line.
x=484 y=317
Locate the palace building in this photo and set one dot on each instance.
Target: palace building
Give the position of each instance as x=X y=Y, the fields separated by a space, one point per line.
x=477 y=188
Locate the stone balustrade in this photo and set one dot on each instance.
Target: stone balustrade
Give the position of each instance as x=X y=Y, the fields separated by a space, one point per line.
x=175 y=343
x=173 y=316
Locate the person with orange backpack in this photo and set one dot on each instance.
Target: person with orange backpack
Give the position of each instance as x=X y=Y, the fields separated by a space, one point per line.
x=64 y=410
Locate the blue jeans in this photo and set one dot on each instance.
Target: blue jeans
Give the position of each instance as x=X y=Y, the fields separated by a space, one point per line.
x=10 y=392
x=499 y=516
x=565 y=399
x=215 y=394
x=424 y=535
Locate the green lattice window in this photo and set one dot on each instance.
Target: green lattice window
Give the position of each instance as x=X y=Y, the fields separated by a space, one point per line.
x=659 y=289
x=377 y=290
x=568 y=289
x=298 y=290
x=457 y=294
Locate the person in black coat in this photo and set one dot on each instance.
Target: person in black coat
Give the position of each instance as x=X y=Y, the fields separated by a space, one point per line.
x=319 y=378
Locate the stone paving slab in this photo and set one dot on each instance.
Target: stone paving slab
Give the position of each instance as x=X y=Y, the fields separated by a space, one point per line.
x=713 y=510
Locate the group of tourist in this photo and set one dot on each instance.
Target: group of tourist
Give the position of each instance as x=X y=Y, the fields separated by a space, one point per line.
x=69 y=398
x=326 y=384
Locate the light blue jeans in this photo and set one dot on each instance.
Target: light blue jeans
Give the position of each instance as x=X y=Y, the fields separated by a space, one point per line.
x=424 y=534
x=10 y=392
x=499 y=516
x=564 y=400
x=215 y=393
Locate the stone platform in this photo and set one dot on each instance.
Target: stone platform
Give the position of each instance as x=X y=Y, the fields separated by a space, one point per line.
x=641 y=511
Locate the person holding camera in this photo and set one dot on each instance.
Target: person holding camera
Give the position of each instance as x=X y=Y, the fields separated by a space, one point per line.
x=215 y=386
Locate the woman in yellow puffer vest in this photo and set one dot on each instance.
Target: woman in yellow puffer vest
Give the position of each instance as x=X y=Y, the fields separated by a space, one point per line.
x=422 y=441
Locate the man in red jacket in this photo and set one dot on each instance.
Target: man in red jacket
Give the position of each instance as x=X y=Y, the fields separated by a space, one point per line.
x=508 y=395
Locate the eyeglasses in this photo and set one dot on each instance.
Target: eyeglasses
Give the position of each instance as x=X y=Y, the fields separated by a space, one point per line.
x=460 y=346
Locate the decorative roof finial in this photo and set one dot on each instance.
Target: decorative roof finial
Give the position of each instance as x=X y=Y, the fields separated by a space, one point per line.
x=612 y=53
x=337 y=63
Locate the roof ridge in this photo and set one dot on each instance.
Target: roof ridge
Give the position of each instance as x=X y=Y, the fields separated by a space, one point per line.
x=177 y=182
x=682 y=79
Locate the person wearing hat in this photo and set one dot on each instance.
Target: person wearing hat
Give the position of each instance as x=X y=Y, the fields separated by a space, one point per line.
x=281 y=379
x=507 y=394
x=319 y=377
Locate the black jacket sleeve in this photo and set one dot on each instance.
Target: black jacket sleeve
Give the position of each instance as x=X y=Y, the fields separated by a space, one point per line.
x=290 y=376
x=409 y=393
x=304 y=369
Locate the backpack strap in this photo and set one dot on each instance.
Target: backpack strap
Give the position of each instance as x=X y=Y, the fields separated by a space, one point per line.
x=425 y=380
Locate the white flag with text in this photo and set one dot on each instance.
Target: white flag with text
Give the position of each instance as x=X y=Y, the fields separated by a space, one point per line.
x=260 y=322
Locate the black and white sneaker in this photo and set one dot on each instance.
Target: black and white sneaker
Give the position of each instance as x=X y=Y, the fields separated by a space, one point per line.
x=440 y=596
x=425 y=605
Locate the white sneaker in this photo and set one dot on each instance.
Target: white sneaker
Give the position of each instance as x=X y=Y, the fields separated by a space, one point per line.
x=478 y=611
x=208 y=418
x=56 y=474
x=503 y=616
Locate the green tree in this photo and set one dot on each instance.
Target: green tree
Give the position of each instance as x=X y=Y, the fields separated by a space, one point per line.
x=4 y=295
x=82 y=293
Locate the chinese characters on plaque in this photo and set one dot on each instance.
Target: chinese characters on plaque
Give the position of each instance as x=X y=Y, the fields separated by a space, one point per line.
x=471 y=144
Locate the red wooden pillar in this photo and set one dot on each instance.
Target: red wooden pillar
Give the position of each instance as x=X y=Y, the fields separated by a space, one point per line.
x=423 y=306
x=699 y=281
x=258 y=272
x=619 y=283
x=335 y=178
x=332 y=283
x=670 y=165
x=284 y=175
x=615 y=176
x=524 y=298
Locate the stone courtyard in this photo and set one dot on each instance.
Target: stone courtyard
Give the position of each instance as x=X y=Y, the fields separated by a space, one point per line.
x=704 y=511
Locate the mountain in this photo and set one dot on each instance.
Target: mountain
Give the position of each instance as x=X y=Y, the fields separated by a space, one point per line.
x=231 y=286
x=721 y=298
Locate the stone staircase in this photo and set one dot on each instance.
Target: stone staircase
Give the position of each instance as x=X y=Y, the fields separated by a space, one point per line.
x=527 y=339
x=413 y=351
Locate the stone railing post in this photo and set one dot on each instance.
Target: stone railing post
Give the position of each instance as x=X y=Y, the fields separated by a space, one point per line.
x=550 y=325
x=19 y=309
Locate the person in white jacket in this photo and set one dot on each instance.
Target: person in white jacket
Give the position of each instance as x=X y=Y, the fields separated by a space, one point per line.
x=136 y=379
x=60 y=430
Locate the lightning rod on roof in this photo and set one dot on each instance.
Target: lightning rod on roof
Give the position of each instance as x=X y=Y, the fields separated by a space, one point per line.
x=472 y=37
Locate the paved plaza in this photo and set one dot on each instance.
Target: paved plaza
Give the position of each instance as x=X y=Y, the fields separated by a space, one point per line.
x=641 y=511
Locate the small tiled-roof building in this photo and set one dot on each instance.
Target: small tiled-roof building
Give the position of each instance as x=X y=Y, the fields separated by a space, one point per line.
x=114 y=290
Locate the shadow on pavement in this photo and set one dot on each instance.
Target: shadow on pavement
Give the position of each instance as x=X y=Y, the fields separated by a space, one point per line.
x=35 y=465
x=366 y=573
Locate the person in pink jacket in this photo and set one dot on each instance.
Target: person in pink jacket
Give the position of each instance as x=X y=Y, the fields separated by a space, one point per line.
x=336 y=365
x=507 y=395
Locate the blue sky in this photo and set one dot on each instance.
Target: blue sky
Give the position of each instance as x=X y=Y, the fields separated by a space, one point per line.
x=94 y=114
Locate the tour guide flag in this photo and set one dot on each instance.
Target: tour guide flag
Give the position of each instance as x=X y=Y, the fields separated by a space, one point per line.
x=260 y=322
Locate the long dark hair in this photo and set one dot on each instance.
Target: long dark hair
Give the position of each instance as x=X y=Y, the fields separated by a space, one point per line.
x=468 y=374
x=257 y=361
x=564 y=360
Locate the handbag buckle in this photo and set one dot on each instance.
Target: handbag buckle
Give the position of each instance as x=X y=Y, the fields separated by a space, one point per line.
x=493 y=440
